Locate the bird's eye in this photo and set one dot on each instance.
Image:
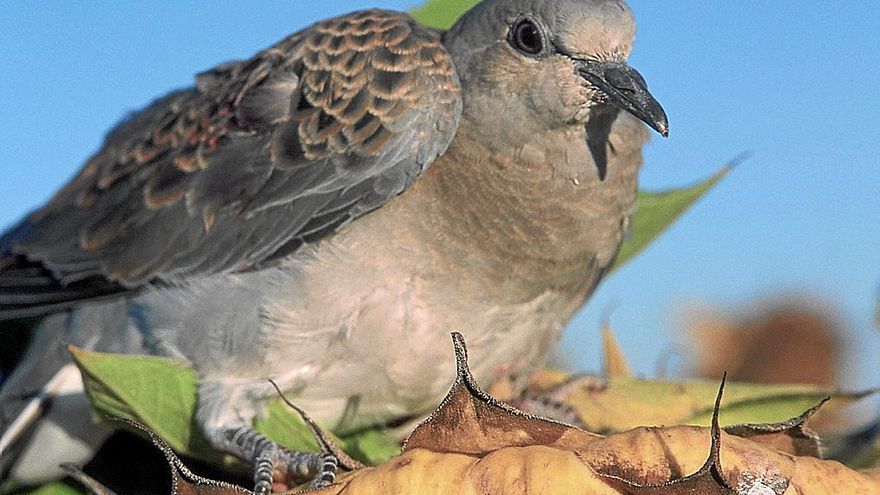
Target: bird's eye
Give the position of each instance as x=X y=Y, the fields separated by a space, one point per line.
x=526 y=37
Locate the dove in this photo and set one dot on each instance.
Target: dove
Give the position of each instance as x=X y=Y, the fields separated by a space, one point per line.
x=323 y=214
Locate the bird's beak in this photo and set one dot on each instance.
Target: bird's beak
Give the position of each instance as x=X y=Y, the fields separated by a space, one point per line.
x=624 y=87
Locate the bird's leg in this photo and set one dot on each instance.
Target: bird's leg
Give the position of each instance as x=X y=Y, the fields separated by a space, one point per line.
x=269 y=459
x=225 y=413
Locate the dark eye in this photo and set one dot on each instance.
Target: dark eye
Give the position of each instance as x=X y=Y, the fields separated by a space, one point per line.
x=526 y=37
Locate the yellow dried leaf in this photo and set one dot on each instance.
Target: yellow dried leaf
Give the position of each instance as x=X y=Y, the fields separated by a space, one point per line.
x=620 y=404
x=468 y=446
x=474 y=444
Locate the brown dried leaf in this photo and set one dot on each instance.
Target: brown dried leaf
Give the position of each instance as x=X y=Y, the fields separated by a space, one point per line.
x=469 y=421
x=474 y=444
x=654 y=461
x=661 y=456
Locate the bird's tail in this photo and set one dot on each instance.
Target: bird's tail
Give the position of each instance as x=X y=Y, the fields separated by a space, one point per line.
x=28 y=289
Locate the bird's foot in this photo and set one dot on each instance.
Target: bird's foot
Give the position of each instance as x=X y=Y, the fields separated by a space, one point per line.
x=272 y=462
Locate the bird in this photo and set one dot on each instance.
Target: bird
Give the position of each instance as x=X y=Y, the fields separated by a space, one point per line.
x=324 y=213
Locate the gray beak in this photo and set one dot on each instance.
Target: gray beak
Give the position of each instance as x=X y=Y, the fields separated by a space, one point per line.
x=624 y=87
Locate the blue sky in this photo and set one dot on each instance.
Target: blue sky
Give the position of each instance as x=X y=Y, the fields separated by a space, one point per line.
x=795 y=84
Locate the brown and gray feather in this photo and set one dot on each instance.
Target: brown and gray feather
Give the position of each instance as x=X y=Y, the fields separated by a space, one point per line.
x=261 y=156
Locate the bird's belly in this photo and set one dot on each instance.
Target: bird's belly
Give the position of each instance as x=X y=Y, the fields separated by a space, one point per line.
x=395 y=362
x=373 y=344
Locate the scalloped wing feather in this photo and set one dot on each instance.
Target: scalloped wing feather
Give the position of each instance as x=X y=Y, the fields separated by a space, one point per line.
x=259 y=158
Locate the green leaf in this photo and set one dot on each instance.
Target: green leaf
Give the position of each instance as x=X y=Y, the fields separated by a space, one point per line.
x=372 y=447
x=772 y=407
x=657 y=211
x=441 y=14
x=286 y=428
x=161 y=394
x=156 y=392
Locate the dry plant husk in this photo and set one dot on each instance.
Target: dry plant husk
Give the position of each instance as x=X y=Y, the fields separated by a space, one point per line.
x=474 y=444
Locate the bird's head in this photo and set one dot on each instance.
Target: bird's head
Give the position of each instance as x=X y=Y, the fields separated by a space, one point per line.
x=550 y=63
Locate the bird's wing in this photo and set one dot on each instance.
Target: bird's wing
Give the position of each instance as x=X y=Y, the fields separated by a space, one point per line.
x=260 y=157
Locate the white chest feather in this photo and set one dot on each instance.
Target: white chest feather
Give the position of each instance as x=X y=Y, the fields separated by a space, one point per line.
x=375 y=336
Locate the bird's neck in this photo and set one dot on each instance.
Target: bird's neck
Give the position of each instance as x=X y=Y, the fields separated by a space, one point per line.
x=538 y=208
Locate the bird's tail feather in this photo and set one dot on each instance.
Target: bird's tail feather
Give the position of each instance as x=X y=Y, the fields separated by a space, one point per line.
x=28 y=289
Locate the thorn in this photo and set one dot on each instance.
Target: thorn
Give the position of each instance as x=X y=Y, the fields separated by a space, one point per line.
x=715 y=449
x=461 y=355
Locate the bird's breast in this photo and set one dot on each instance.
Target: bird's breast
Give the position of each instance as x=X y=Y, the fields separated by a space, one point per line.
x=367 y=316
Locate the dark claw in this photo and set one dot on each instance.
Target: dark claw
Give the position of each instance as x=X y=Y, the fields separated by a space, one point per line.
x=264 y=467
x=326 y=473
